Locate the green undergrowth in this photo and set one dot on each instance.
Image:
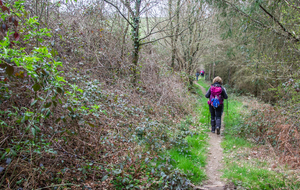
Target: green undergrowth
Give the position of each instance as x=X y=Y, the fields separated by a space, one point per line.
x=172 y=155
x=202 y=102
x=233 y=122
x=190 y=156
x=243 y=170
x=191 y=160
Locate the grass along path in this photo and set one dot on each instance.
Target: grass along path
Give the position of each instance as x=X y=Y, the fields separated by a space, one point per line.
x=190 y=154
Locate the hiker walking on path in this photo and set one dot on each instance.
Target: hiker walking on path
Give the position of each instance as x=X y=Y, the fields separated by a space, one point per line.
x=197 y=75
x=202 y=73
x=216 y=94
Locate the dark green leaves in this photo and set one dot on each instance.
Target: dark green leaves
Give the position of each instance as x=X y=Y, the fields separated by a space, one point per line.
x=47 y=105
x=59 y=100
x=90 y=124
x=9 y=70
x=36 y=87
x=70 y=109
x=54 y=103
x=59 y=90
x=61 y=118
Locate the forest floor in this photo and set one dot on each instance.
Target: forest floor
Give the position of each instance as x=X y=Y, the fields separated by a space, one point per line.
x=214 y=160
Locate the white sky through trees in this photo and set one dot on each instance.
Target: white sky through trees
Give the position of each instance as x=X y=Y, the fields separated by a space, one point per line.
x=151 y=8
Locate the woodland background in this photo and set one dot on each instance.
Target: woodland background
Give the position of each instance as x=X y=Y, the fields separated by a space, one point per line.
x=92 y=91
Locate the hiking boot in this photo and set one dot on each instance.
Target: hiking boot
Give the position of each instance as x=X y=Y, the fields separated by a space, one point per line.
x=218 y=126
x=213 y=126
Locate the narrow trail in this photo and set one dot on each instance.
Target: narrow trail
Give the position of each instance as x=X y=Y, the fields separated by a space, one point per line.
x=214 y=160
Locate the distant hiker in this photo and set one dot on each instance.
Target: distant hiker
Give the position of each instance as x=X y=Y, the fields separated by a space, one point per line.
x=202 y=73
x=197 y=74
x=216 y=93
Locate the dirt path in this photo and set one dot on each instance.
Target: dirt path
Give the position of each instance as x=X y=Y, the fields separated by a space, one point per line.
x=214 y=160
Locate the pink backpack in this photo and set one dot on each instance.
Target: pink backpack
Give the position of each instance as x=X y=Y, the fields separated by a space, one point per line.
x=215 y=98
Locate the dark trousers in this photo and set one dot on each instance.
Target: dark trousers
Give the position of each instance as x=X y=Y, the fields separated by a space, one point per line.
x=216 y=113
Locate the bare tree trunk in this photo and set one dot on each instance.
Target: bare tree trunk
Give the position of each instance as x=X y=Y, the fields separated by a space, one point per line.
x=214 y=70
x=175 y=37
x=124 y=38
x=147 y=23
x=189 y=58
x=228 y=80
x=211 y=71
x=136 y=40
x=214 y=66
x=209 y=74
x=256 y=81
x=36 y=12
x=47 y=15
x=172 y=33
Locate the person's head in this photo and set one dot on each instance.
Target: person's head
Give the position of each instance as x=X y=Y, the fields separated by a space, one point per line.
x=217 y=79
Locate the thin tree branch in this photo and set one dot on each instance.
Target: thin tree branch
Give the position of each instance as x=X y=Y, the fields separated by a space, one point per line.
x=245 y=14
x=127 y=4
x=164 y=37
x=281 y=26
x=120 y=12
x=150 y=33
x=161 y=30
x=145 y=10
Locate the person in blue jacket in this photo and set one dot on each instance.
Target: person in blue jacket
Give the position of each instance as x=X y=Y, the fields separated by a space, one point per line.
x=197 y=75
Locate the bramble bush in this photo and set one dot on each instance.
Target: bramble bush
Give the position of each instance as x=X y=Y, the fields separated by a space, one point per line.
x=277 y=126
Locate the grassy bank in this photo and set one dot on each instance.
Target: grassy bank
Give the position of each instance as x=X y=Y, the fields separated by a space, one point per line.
x=203 y=106
x=191 y=157
x=244 y=163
